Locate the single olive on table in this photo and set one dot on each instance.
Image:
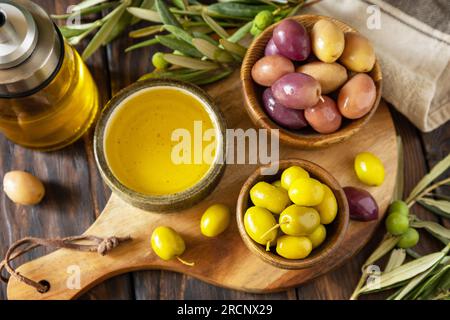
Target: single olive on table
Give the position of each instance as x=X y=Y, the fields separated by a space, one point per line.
x=323 y=60
x=168 y=244
x=369 y=169
x=291 y=213
x=362 y=205
x=23 y=188
x=215 y=220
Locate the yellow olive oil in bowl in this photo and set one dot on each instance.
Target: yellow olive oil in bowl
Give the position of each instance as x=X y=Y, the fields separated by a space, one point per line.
x=159 y=144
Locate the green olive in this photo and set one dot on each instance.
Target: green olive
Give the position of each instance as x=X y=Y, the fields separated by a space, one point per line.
x=260 y=225
x=159 y=62
x=399 y=206
x=306 y=192
x=291 y=247
x=167 y=243
x=327 y=41
x=296 y=220
x=268 y=196
x=318 y=236
x=292 y=173
x=397 y=223
x=215 y=220
x=358 y=54
x=328 y=208
x=263 y=19
x=409 y=239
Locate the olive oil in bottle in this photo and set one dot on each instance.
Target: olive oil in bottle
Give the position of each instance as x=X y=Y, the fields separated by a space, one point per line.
x=48 y=98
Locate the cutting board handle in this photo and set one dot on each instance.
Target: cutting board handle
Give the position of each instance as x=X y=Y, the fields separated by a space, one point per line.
x=70 y=273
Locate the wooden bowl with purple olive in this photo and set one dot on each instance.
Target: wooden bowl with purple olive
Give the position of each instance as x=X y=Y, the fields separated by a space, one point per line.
x=313 y=78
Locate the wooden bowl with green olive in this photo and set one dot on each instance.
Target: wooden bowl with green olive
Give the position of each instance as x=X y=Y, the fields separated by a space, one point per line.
x=322 y=91
x=290 y=234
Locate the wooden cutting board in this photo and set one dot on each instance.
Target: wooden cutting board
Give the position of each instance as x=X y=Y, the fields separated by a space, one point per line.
x=224 y=261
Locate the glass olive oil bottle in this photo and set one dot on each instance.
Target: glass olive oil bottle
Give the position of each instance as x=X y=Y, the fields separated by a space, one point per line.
x=48 y=98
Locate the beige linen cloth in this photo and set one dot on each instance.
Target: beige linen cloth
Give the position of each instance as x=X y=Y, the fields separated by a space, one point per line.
x=413 y=46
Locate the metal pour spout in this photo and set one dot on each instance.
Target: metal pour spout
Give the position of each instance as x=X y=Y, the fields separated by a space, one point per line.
x=8 y=34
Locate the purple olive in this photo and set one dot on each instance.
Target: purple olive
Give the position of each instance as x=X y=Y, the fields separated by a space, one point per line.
x=271 y=48
x=289 y=118
x=362 y=205
x=297 y=90
x=292 y=40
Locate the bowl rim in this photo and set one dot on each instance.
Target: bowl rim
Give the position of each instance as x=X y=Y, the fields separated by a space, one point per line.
x=168 y=202
x=342 y=218
x=260 y=118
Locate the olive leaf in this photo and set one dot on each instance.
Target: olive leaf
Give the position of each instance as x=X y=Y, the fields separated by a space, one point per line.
x=400 y=180
x=145 y=4
x=412 y=284
x=188 y=62
x=86 y=4
x=145 y=14
x=434 y=209
x=179 y=33
x=85 y=11
x=211 y=51
x=234 y=48
x=147 y=31
x=166 y=16
x=205 y=47
x=179 y=45
x=106 y=29
x=433 y=228
x=437 y=170
x=74 y=40
x=438 y=282
x=142 y=44
x=204 y=36
x=214 y=25
x=385 y=246
x=442 y=205
x=241 y=32
x=407 y=270
x=396 y=259
x=237 y=10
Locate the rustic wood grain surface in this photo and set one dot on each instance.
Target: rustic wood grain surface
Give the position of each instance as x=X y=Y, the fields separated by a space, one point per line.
x=70 y=207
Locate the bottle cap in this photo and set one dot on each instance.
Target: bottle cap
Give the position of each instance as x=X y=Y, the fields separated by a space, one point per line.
x=30 y=48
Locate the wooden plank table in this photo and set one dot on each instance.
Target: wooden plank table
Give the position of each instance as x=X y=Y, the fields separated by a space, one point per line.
x=70 y=206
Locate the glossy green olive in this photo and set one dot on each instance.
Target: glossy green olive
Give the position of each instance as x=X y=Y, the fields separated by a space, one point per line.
x=318 y=236
x=268 y=196
x=409 y=239
x=215 y=220
x=397 y=223
x=257 y=222
x=328 y=208
x=292 y=173
x=291 y=247
x=167 y=243
x=296 y=220
x=306 y=192
x=369 y=169
x=400 y=207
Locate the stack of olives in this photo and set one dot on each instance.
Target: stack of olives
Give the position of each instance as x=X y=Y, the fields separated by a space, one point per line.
x=304 y=88
x=397 y=224
x=301 y=204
